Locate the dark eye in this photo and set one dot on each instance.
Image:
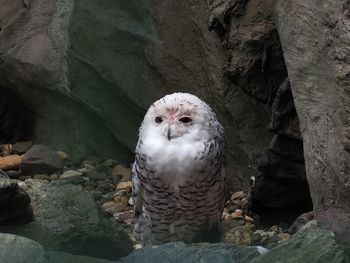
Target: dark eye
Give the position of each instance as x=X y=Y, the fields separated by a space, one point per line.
x=158 y=119
x=185 y=119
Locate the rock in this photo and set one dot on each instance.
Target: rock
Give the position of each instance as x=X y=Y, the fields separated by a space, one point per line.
x=11 y=162
x=302 y=220
x=125 y=186
x=318 y=71
x=67 y=219
x=70 y=174
x=22 y=147
x=110 y=163
x=312 y=243
x=42 y=177
x=255 y=68
x=62 y=155
x=14 y=203
x=5 y=150
x=121 y=199
x=41 y=159
x=124 y=216
x=113 y=207
x=240 y=235
x=94 y=175
x=192 y=253
x=122 y=173
x=283 y=236
x=20 y=249
x=105 y=186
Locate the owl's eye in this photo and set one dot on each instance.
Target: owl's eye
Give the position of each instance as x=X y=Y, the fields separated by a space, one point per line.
x=185 y=119
x=158 y=119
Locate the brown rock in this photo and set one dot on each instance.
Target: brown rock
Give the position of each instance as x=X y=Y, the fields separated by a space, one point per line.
x=240 y=235
x=121 y=200
x=5 y=149
x=283 y=236
x=125 y=186
x=122 y=172
x=62 y=155
x=22 y=147
x=113 y=207
x=11 y=162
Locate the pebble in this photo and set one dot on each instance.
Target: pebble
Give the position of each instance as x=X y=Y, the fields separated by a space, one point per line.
x=42 y=177
x=125 y=216
x=121 y=199
x=110 y=163
x=120 y=172
x=240 y=235
x=125 y=186
x=62 y=155
x=71 y=173
x=113 y=207
x=22 y=147
x=283 y=236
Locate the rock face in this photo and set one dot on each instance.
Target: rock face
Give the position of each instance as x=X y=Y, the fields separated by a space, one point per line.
x=315 y=40
x=203 y=252
x=87 y=85
x=253 y=70
x=67 y=219
x=311 y=244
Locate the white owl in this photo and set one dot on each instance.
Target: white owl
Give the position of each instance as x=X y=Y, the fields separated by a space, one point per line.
x=178 y=174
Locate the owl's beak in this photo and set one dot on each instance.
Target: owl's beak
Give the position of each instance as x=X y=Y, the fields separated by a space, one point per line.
x=169 y=134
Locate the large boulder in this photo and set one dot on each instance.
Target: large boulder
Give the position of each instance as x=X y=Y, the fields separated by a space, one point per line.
x=67 y=219
x=20 y=249
x=315 y=39
x=203 y=252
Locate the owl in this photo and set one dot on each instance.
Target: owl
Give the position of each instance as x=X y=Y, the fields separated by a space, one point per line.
x=178 y=176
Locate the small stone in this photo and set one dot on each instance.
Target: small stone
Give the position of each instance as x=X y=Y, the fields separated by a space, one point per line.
x=105 y=186
x=5 y=149
x=131 y=201
x=239 y=236
x=87 y=162
x=11 y=162
x=237 y=214
x=120 y=171
x=238 y=195
x=276 y=229
x=121 y=200
x=125 y=186
x=110 y=163
x=124 y=216
x=62 y=155
x=42 y=177
x=283 y=236
x=71 y=173
x=94 y=175
x=113 y=207
x=22 y=147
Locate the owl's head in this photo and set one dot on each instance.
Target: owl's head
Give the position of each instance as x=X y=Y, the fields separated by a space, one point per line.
x=179 y=115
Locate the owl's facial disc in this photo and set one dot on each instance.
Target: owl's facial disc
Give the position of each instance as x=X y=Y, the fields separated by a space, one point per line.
x=175 y=123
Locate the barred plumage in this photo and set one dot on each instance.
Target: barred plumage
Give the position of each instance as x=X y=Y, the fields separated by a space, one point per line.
x=178 y=174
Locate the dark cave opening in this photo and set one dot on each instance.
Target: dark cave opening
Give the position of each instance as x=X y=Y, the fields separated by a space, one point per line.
x=281 y=191
x=16 y=119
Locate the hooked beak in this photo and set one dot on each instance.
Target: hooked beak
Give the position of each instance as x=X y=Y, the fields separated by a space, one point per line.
x=169 y=134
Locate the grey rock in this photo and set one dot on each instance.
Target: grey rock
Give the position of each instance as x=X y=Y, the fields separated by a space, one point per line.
x=203 y=252
x=315 y=39
x=312 y=243
x=17 y=249
x=66 y=218
x=40 y=160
